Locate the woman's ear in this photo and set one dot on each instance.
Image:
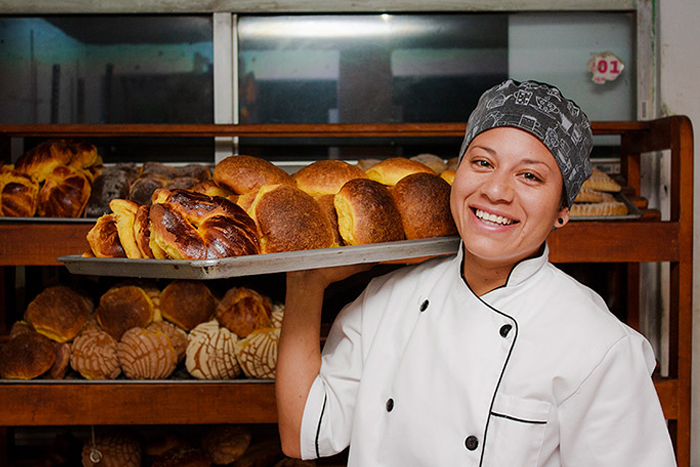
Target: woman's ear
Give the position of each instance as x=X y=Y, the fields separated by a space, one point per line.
x=562 y=218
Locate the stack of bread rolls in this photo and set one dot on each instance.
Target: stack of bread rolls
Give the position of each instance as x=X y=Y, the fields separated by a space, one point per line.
x=53 y=179
x=138 y=331
x=596 y=197
x=251 y=206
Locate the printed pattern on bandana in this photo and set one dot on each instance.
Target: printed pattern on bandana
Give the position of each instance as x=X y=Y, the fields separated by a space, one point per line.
x=541 y=110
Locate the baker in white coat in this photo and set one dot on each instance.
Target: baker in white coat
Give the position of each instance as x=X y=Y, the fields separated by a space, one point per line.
x=492 y=357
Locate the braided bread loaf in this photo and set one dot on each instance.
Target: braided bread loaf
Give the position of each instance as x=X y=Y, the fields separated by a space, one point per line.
x=188 y=225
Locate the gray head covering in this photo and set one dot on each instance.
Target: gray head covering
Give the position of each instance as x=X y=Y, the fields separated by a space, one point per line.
x=541 y=110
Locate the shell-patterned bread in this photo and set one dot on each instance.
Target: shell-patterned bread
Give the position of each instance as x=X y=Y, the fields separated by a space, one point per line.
x=257 y=353
x=211 y=353
x=19 y=194
x=187 y=225
x=423 y=200
x=290 y=220
x=65 y=193
x=243 y=310
x=242 y=174
x=59 y=313
x=41 y=160
x=146 y=354
x=224 y=444
x=177 y=336
x=390 y=171
x=187 y=303
x=27 y=356
x=277 y=314
x=103 y=238
x=124 y=307
x=125 y=217
x=115 y=448
x=94 y=355
x=436 y=163
x=600 y=181
x=326 y=177
x=367 y=213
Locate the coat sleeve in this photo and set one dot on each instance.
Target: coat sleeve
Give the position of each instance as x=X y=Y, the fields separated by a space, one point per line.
x=615 y=418
x=330 y=406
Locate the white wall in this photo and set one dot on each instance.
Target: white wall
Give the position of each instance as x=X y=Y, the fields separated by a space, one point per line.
x=679 y=93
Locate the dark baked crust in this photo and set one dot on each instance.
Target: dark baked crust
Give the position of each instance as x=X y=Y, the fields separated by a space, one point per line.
x=122 y=308
x=243 y=310
x=187 y=303
x=423 y=200
x=19 y=194
x=26 y=356
x=65 y=193
x=103 y=238
x=59 y=313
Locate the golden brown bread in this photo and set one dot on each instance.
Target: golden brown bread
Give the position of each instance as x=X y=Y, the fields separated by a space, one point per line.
x=211 y=353
x=243 y=310
x=390 y=171
x=328 y=207
x=423 y=200
x=186 y=225
x=326 y=177
x=26 y=356
x=187 y=303
x=85 y=155
x=19 y=194
x=600 y=181
x=142 y=232
x=226 y=443
x=210 y=188
x=367 y=213
x=448 y=175
x=242 y=174
x=103 y=238
x=122 y=308
x=431 y=160
x=65 y=193
x=61 y=363
x=125 y=218
x=289 y=220
x=114 y=448
x=59 y=313
x=41 y=160
x=94 y=355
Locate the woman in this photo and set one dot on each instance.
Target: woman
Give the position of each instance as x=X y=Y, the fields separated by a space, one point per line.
x=492 y=357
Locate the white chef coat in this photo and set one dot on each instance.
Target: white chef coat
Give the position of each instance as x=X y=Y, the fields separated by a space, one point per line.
x=419 y=371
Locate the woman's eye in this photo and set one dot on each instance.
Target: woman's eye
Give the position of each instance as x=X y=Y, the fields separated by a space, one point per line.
x=482 y=163
x=531 y=176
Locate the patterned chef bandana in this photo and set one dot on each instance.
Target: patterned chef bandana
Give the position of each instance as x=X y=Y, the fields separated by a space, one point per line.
x=541 y=110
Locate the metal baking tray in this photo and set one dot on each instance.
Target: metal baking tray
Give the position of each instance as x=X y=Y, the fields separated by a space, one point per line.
x=51 y=220
x=261 y=264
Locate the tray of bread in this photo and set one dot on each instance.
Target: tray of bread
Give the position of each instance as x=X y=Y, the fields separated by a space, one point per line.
x=601 y=199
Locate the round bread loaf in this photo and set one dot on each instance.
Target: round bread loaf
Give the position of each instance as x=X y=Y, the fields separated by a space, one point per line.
x=186 y=225
x=436 y=163
x=367 y=213
x=177 y=336
x=389 y=171
x=187 y=303
x=326 y=177
x=211 y=353
x=103 y=238
x=27 y=356
x=113 y=182
x=115 y=448
x=290 y=220
x=59 y=313
x=124 y=307
x=242 y=174
x=257 y=353
x=41 y=160
x=424 y=203
x=125 y=217
x=243 y=310
x=19 y=194
x=61 y=363
x=94 y=355
x=146 y=354
x=224 y=444
x=65 y=193
x=184 y=456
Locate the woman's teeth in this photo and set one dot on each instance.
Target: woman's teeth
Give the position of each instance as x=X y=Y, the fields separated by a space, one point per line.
x=493 y=218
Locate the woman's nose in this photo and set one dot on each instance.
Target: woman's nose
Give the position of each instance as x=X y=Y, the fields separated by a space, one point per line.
x=498 y=187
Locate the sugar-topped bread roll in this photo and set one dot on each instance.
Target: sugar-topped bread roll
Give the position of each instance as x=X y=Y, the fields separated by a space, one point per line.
x=423 y=200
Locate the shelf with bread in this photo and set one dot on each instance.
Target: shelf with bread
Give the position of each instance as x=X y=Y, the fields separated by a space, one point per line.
x=647 y=238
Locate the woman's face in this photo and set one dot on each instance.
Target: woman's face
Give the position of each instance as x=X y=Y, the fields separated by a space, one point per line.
x=506 y=196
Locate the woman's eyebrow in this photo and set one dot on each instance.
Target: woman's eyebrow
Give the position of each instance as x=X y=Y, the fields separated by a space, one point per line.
x=485 y=148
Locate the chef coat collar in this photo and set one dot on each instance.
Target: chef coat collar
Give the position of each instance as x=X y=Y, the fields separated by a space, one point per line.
x=521 y=272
